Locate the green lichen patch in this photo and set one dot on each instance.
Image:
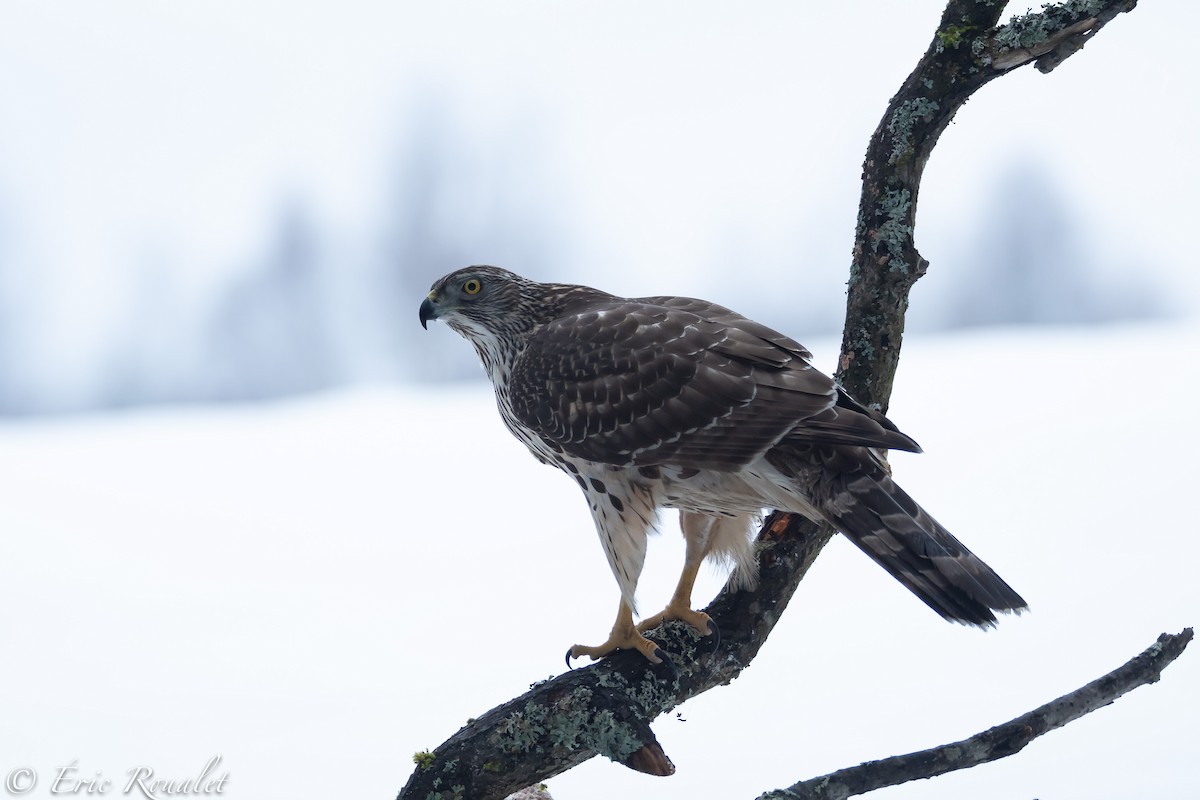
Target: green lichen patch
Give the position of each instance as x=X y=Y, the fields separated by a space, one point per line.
x=571 y=722
x=423 y=759
x=611 y=738
x=1031 y=29
x=522 y=731
x=952 y=36
x=900 y=126
x=457 y=792
x=893 y=233
x=650 y=693
x=863 y=340
x=579 y=719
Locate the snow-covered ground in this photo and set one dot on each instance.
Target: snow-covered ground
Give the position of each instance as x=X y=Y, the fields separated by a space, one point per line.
x=316 y=589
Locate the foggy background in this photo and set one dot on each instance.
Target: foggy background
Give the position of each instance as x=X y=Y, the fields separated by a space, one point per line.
x=249 y=507
x=219 y=206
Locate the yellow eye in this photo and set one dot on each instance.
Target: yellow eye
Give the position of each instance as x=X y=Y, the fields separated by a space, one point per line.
x=472 y=286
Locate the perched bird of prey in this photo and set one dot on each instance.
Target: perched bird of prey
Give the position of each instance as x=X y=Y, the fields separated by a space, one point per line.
x=672 y=402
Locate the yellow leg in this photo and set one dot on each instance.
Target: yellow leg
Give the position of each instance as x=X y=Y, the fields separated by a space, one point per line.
x=680 y=606
x=624 y=636
x=697 y=530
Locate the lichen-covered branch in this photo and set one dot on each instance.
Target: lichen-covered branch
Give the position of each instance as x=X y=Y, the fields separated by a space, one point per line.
x=968 y=50
x=606 y=709
x=539 y=792
x=998 y=742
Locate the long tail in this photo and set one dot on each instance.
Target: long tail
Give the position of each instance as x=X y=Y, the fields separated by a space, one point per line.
x=890 y=527
x=852 y=489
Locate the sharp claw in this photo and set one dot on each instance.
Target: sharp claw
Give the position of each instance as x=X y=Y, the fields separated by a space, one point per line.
x=569 y=651
x=715 y=634
x=658 y=653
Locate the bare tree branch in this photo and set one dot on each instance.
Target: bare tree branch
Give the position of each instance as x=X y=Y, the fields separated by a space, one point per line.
x=998 y=742
x=968 y=50
x=607 y=708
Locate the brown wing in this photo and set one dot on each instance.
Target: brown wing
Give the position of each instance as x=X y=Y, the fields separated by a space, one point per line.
x=830 y=426
x=677 y=381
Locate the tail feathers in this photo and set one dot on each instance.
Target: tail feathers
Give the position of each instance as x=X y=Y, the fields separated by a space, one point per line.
x=889 y=526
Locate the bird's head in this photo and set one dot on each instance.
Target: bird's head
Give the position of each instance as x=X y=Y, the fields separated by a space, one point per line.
x=478 y=301
x=498 y=311
x=492 y=308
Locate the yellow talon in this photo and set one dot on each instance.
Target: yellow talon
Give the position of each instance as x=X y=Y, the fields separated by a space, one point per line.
x=624 y=636
x=700 y=621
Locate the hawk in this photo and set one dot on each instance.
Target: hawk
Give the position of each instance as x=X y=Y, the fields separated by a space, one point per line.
x=673 y=402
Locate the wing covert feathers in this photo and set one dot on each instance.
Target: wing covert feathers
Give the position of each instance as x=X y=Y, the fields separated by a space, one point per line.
x=680 y=381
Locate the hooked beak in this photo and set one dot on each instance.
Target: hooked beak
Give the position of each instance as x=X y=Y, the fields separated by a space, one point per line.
x=428 y=311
